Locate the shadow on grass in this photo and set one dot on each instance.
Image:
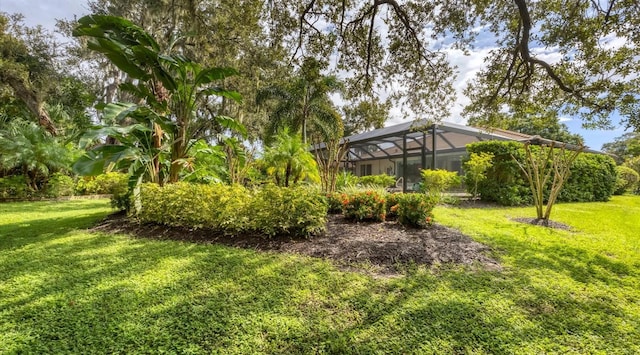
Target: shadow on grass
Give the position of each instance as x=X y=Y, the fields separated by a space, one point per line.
x=36 y=230
x=69 y=291
x=49 y=206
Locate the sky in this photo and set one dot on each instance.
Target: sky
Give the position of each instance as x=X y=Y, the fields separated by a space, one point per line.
x=45 y=13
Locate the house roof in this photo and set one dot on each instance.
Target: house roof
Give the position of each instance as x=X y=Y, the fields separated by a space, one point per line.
x=388 y=142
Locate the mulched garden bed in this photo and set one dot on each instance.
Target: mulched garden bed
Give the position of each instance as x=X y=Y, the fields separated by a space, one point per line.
x=384 y=248
x=543 y=223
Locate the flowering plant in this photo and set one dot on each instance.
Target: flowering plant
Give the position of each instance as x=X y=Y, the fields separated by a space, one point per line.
x=335 y=202
x=392 y=205
x=416 y=209
x=365 y=205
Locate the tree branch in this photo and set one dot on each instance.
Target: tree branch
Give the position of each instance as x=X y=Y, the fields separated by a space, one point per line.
x=525 y=54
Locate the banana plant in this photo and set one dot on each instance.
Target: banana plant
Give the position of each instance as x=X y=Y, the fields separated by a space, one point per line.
x=172 y=90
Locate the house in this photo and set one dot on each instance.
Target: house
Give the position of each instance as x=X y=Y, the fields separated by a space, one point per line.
x=404 y=149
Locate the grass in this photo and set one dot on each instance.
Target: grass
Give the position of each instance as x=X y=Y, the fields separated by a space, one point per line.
x=66 y=290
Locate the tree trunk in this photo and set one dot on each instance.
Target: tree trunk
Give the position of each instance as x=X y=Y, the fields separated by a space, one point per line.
x=30 y=99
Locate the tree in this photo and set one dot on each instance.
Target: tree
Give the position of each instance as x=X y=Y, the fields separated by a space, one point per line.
x=27 y=149
x=589 y=73
x=288 y=159
x=365 y=115
x=624 y=147
x=220 y=33
x=303 y=102
x=544 y=165
x=173 y=88
x=476 y=170
x=25 y=66
x=401 y=45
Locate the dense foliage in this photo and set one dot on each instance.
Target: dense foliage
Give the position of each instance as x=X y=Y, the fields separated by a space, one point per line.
x=365 y=205
x=475 y=169
x=627 y=180
x=270 y=211
x=592 y=176
x=288 y=159
x=381 y=180
x=435 y=182
x=415 y=210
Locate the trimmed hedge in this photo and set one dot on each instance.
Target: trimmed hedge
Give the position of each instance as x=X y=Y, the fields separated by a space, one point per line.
x=592 y=178
x=103 y=184
x=272 y=210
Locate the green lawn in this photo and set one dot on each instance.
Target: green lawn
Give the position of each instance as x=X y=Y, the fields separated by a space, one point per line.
x=65 y=290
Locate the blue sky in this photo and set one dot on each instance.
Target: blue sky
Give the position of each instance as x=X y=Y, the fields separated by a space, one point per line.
x=45 y=13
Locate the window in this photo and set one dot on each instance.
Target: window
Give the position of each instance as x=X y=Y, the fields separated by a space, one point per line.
x=365 y=169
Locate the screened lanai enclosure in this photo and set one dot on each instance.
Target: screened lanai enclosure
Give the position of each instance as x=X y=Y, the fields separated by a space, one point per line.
x=404 y=149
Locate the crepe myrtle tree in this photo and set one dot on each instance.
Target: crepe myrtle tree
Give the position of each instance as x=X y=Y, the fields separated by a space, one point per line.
x=172 y=91
x=551 y=163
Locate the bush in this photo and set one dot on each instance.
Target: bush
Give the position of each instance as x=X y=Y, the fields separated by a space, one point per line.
x=273 y=210
x=59 y=185
x=475 y=168
x=296 y=211
x=15 y=187
x=365 y=205
x=334 y=202
x=592 y=176
x=436 y=182
x=102 y=184
x=415 y=210
x=627 y=180
x=382 y=180
x=392 y=205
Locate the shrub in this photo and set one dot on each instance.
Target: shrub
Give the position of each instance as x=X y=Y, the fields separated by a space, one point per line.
x=415 y=210
x=232 y=209
x=392 y=205
x=627 y=180
x=382 y=180
x=102 y=184
x=365 y=205
x=592 y=176
x=59 y=185
x=475 y=168
x=633 y=163
x=15 y=187
x=296 y=211
x=334 y=202
x=436 y=182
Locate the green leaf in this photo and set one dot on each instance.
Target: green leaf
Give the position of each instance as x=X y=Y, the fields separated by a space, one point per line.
x=233 y=95
x=232 y=124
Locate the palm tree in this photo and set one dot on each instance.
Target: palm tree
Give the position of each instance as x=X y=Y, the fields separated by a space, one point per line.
x=288 y=159
x=303 y=102
x=27 y=149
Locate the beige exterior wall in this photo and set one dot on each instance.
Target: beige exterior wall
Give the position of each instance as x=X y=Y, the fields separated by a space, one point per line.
x=382 y=166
